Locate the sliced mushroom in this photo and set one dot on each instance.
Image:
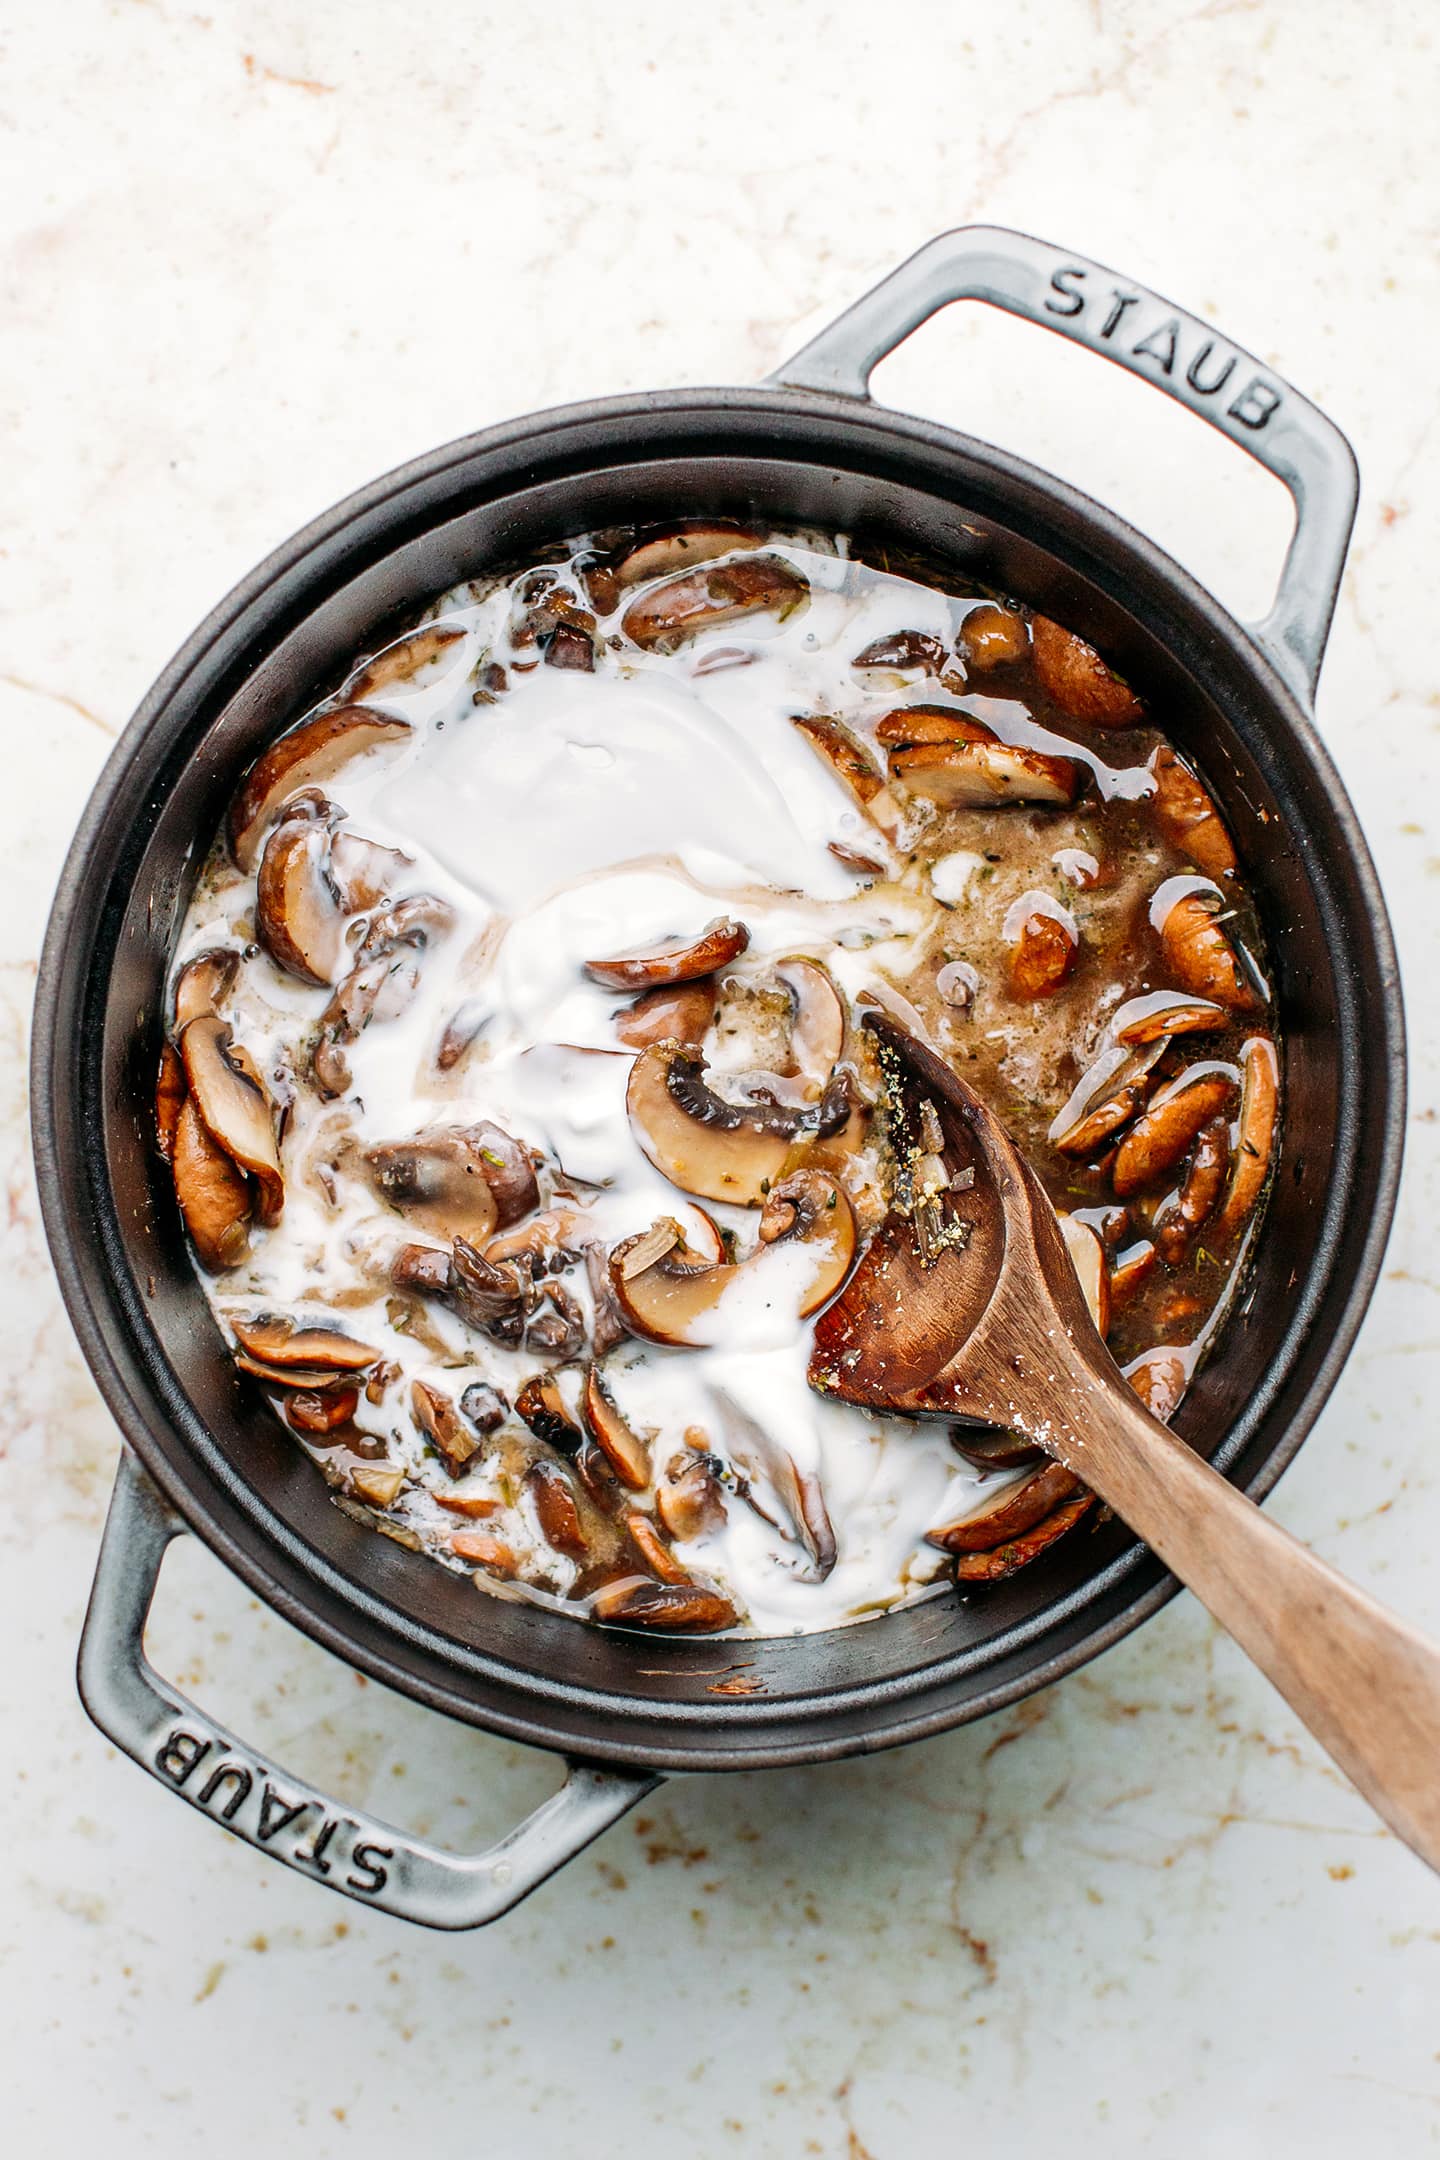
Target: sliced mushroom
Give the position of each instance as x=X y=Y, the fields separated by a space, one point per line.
x=817 y=1022
x=214 y=1197
x=904 y=650
x=402 y=661
x=486 y=1551
x=1017 y=1510
x=285 y=1344
x=309 y=756
x=1196 y=1200
x=560 y=1332
x=1073 y=674
x=678 y=1608
x=1200 y=956
x=231 y=1101
x=1043 y=953
x=663 y=554
x=461 y=1030
x=1164 y=1013
x=318 y=1414
x=203 y=984
x=454 y=1438
x=675 y=1297
x=1160 y=1379
x=955 y=761
x=1087 y=1256
x=665 y=616
x=862 y=865
x=485 y=1406
x=491 y=1300
x=475 y=1506
x=305 y=1379
x=715 y=1149
x=170 y=1093
x=679 y=1014
x=990 y=1447
x=568 y=646
x=719 y=944
x=653 y=1550
x=622 y=1447
x=852 y=767
x=1009 y=1558
x=377 y=1482
x=380 y=986
x=299 y=915
x=1111 y=1099
x=1132 y=1270
x=553 y=1498
x=1188 y=818
x=542 y=1406
x=607 y=1322
x=556 y=1235
x=993 y=636
x=688 y=1498
x=1259 y=1111
x=461 y=1181
x=1158 y=1139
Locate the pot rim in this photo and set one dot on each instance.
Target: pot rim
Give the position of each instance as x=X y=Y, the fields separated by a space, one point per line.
x=91 y=1283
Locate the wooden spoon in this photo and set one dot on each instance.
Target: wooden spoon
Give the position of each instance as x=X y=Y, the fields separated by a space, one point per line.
x=992 y=1326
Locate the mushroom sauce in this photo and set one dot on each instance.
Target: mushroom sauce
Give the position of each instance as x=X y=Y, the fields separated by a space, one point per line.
x=519 y=1104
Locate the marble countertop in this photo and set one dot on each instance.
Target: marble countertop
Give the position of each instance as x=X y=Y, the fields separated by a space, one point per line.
x=255 y=255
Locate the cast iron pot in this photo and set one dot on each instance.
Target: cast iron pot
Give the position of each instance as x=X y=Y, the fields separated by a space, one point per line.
x=204 y=1454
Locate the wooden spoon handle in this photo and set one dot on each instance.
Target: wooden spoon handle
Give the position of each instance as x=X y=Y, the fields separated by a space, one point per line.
x=1366 y=1684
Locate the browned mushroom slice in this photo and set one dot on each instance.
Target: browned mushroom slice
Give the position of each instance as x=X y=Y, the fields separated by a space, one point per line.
x=283 y=1343
x=475 y=1506
x=1160 y=1379
x=377 y=1482
x=422 y=1267
x=622 y=1447
x=203 y=984
x=1163 y=1013
x=1158 y=1139
x=1087 y=1256
x=461 y=1030
x=170 y=1092
x=992 y=1448
x=688 y=1498
x=1074 y=675
x=380 y=985
x=490 y=1299
x=671 y=1296
x=666 y=615
x=1132 y=1270
x=299 y=917
x=542 y=1406
x=1200 y=956
x=463 y=1182
x=862 y=865
x=553 y=1498
x=713 y=1148
x=956 y=762
x=993 y=636
x=852 y=767
x=233 y=1105
x=317 y=1413
x=402 y=661
x=553 y=1237
x=678 y=1608
x=653 y=1549
x=662 y=554
x=1042 y=955
x=214 y=1197
x=453 y=1437
x=1017 y=1510
x=1196 y=1200
x=486 y=1551
x=305 y=1379
x=1007 y=1559
x=1259 y=1111
x=1187 y=817
x=904 y=650
x=1111 y=1102
x=719 y=944
x=568 y=646
x=679 y=1014
x=308 y=756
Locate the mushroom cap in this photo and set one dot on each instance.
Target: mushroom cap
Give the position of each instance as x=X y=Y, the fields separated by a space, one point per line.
x=275 y=1339
x=675 y=1608
x=664 y=616
x=718 y=944
x=214 y=1198
x=622 y=1447
x=462 y=1181
x=399 y=662
x=455 y=1438
x=299 y=916
x=233 y=1106
x=956 y=761
x=1087 y=1256
x=852 y=767
x=309 y=756
x=1200 y=956
x=1074 y=675
x=712 y=1148
x=662 y=554
x=681 y=1013
x=203 y=984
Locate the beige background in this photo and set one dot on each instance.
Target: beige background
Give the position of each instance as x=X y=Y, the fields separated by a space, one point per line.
x=253 y=255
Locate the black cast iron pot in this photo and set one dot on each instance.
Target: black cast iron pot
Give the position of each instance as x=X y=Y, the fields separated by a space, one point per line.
x=807 y=448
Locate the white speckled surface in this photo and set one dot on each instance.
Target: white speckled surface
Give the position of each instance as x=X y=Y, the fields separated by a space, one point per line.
x=252 y=257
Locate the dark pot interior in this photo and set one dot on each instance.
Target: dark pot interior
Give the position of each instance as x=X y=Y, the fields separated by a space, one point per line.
x=486 y=503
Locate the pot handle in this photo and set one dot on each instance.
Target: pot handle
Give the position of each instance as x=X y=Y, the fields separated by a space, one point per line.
x=1175 y=351
x=282 y=1816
